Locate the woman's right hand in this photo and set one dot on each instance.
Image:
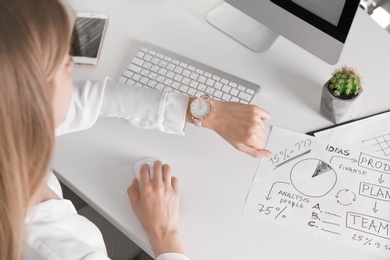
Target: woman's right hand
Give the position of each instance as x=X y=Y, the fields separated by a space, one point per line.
x=156 y=204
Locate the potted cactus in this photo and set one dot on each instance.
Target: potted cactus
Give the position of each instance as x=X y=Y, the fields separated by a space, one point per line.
x=341 y=95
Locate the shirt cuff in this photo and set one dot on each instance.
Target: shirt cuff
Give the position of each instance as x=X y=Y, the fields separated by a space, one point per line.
x=145 y=108
x=174 y=118
x=172 y=256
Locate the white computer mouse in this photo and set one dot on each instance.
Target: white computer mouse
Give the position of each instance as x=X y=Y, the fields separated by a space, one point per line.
x=149 y=161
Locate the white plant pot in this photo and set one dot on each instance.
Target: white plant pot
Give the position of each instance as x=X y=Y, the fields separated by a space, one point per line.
x=336 y=109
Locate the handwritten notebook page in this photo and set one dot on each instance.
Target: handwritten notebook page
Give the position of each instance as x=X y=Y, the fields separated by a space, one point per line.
x=324 y=188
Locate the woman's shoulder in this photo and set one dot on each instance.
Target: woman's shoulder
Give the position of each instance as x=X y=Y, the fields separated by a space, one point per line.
x=54 y=230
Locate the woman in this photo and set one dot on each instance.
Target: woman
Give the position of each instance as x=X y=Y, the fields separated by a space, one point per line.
x=37 y=98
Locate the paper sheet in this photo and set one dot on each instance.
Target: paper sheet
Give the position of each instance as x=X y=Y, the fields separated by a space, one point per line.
x=372 y=134
x=324 y=188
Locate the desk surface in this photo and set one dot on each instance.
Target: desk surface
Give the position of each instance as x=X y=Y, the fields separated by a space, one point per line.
x=98 y=163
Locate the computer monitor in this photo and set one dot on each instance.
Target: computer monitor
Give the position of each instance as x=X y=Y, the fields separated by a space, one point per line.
x=319 y=26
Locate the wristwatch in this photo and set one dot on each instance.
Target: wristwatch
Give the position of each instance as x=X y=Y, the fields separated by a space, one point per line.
x=199 y=109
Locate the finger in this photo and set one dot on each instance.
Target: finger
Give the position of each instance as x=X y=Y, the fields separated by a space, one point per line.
x=175 y=184
x=157 y=172
x=262 y=125
x=166 y=175
x=257 y=153
x=144 y=175
x=133 y=192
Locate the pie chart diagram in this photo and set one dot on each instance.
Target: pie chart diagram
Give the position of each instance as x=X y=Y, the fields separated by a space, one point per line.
x=313 y=177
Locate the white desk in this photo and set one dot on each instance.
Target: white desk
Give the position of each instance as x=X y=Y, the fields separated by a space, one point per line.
x=214 y=178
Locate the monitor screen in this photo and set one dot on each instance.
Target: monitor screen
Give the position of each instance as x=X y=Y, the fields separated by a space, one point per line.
x=320 y=27
x=329 y=10
x=334 y=17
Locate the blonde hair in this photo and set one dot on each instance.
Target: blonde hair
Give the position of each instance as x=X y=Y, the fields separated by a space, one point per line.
x=34 y=39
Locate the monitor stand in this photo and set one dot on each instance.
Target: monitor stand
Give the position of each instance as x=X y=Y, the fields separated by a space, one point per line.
x=241 y=27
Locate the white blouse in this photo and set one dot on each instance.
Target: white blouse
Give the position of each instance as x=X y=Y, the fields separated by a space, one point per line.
x=54 y=230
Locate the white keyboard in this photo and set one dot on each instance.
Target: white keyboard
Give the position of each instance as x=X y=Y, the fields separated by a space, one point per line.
x=157 y=68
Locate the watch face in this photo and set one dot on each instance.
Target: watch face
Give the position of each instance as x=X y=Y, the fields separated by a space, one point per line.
x=200 y=107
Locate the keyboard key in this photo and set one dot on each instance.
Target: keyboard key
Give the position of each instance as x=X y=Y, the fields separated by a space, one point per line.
x=194 y=75
x=152 y=83
x=170 y=74
x=175 y=85
x=218 y=85
x=154 y=68
x=134 y=68
x=210 y=82
x=183 y=88
x=186 y=73
x=169 y=89
x=148 y=57
x=232 y=84
x=130 y=82
x=122 y=80
x=218 y=94
x=162 y=63
x=144 y=80
x=140 y=54
x=160 y=86
x=170 y=66
x=224 y=81
x=162 y=71
x=159 y=55
x=136 y=77
x=191 y=68
x=191 y=91
x=226 y=88
x=209 y=90
x=152 y=52
x=242 y=88
x=168 y=82
x=249 y=91
x=147 y=65
x=128 y=73
x=202 y=87
x=137 y=61
x=234 y=91
x=226 y=97
x=206 y=74
x=155 y=60
x=202 y=79
x=152 y=75
x=194 y=84
x=234 y=99
x=216 y=78
x=182 y=64
x=186 y=81
x=199 y=93
x=178 y=77
x=244 y=96
x=178 y=70
x=160 y=78
x=144 y=72
x=199 y=71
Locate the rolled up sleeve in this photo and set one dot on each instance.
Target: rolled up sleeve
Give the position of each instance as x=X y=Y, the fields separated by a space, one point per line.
x=140 y=107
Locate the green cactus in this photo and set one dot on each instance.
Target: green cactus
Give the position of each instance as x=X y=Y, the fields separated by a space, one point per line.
x=345 y=83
